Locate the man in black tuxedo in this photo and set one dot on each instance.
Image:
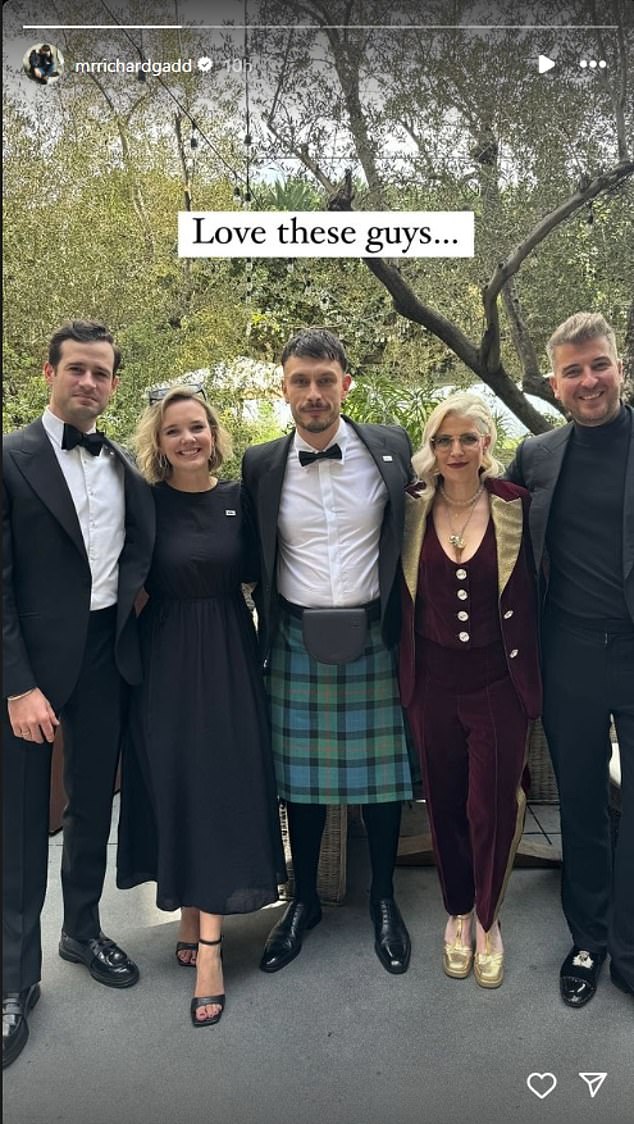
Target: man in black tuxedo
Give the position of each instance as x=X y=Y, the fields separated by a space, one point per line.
x=78 y=530
x=581 y=478
x=329 y=504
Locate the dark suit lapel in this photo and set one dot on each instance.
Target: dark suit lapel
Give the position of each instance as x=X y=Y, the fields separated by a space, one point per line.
x=390 y=466
x=38 y=464
x=386 y=461
x=137 y=494
x=139 y=530
x=545 y=473
x=268 y=502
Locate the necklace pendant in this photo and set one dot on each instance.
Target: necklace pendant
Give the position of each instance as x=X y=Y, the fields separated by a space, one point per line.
x=457 y=541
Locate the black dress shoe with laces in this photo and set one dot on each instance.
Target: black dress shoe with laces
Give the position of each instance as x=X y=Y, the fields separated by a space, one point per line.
x=578 y=976
x=15 y=1028
x=392 y=944
x=618 y=981
x=106 y=962
x=284 y=942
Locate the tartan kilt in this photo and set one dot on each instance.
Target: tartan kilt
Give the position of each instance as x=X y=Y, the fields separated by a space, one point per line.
x=338 y=730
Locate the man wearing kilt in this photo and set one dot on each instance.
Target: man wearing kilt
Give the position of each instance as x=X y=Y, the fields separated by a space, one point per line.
x=329 y=501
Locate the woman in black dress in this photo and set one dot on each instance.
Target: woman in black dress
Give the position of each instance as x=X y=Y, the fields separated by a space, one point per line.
x=198 y=807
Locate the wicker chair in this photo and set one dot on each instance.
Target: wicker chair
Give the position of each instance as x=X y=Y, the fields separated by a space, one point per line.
x=543 y=784
x=331 y=873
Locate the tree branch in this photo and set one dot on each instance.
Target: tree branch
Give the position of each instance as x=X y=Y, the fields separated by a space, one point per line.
x=302 y=153
x=407 y=304
x=281 y=77
x=533 y=381
x=136 y=195
x=489 y=347
x=606 y=181
x=618 y=96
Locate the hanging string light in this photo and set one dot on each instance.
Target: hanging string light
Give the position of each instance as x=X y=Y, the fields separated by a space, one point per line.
x=143 y=77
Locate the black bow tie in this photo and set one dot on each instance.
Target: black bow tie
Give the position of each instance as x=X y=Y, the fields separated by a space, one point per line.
x=331 y=454
x=92 y=441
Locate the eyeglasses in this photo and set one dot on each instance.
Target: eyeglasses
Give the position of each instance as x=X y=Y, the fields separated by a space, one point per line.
x=158 y=393
x=465 y=440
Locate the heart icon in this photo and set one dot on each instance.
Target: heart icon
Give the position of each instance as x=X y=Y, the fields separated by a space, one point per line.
x=541 y=1084
x=204 y=64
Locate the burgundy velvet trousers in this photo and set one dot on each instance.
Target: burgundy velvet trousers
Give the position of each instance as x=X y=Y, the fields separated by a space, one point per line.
x=471 y=732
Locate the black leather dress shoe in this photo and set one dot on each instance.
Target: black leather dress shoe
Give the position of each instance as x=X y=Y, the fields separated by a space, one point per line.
x=15 y=1028
x=106 y=962
x=284 y=942
x=392 y=944
x=578 y=976
x=618 y=981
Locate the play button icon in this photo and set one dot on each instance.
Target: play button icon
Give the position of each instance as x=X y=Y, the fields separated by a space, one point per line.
x=544 y=64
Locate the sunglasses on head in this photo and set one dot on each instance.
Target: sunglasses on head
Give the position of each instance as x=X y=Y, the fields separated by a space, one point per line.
x=158 y=393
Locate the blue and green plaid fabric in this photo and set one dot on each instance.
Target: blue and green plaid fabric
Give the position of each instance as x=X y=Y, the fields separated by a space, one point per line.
x=338 y=730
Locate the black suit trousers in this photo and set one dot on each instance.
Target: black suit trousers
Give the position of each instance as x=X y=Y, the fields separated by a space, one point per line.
x=91 y=724
x=589 y=678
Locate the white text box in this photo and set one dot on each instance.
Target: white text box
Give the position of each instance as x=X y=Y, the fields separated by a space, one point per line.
x=325 y=234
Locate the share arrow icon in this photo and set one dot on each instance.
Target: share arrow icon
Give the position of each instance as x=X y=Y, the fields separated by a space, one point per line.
x=594 y=1081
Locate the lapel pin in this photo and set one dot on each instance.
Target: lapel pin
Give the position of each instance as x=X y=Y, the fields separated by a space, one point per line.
x=387 y=458
x=229 y=511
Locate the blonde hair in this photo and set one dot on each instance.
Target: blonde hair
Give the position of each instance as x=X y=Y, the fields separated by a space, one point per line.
x=580 y=328
x=150 y=461
x=464 y=405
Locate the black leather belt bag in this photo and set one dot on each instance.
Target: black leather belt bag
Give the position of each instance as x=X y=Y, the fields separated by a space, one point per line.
x=335 y=635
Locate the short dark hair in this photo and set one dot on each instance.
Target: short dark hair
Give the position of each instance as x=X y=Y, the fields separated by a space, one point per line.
x=315 y=343
x=82 y=331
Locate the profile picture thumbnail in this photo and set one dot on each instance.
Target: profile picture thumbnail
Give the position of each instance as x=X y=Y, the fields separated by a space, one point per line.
x=43 y=63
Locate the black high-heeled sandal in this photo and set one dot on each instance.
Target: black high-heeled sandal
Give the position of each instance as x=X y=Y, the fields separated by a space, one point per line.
x=186 y=946
x=206 y=1000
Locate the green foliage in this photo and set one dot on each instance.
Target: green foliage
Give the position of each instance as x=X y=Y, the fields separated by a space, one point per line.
x=380 y=400
x=95 y=174
x=289 y=195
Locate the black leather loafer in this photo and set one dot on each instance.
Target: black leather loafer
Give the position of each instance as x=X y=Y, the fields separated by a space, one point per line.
x=578 y=976
x=392 y=945
x=106 y=962
x=618 y=981
x=284 y=942
x=15 y=1027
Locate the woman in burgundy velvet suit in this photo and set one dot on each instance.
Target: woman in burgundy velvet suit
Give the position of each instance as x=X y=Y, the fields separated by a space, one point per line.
x=469 y=670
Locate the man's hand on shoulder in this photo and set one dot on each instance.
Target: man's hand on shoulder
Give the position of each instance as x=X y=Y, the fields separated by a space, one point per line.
x=32 y=717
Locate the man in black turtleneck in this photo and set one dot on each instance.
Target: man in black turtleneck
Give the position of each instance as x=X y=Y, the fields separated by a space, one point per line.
x=581 y=478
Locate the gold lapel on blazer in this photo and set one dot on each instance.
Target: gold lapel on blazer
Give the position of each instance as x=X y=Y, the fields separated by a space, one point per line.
x=508 y=520
x=416 y=512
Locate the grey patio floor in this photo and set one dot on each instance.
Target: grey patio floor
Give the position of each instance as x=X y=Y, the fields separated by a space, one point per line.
x=332 y=1038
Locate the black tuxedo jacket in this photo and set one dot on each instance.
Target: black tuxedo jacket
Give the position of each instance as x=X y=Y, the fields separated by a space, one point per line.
x=263 y=469
x=537 y=466
x=47 y=581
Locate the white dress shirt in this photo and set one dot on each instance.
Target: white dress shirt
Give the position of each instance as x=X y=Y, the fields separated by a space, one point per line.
x=329 y=526
x=97 y=490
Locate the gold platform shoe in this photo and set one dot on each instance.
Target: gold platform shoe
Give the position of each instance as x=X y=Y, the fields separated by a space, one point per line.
x=457 y=957
x=488 y=967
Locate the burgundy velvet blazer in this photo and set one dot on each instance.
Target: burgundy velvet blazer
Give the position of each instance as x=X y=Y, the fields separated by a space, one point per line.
x=517 y=597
